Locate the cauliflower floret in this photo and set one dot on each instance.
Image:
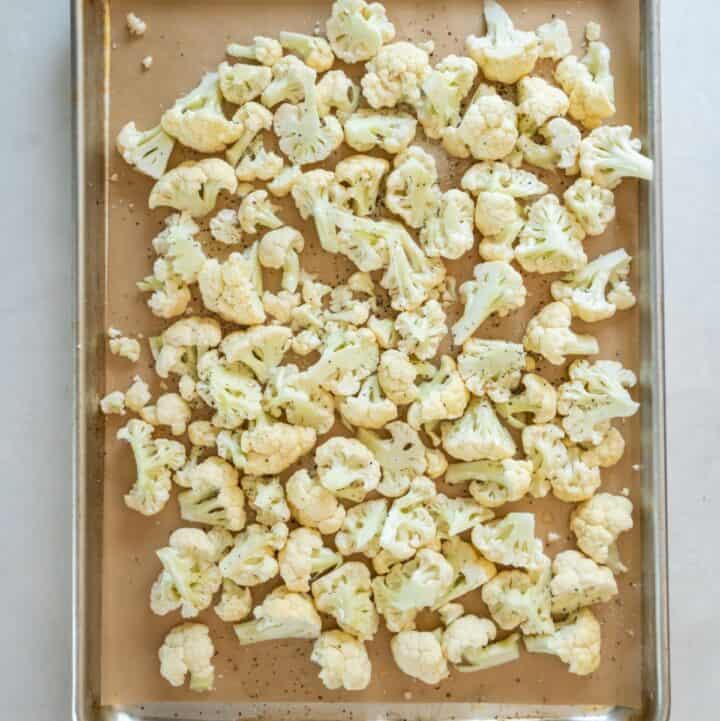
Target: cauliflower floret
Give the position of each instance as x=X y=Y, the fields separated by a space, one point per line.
x=170 y=295
x=283 y=614
x=155 y=459
x=369 y=408
x=181 y=254
x=448 y=232
x=202 y=434
x=504 y=54
x=560 y=150
x=346 y=594
x=357 y=30
x=361 y=239
x=393 y=132
x=510 y=541
x=497 y=288
x=190 y=576
x=148 y=151
x=257 y=163
x=551 y=240
x=335 y=91
x=188 y=648
x=193 y=186
x=280 y=249
x=554 y=39
x=314 y=51
x=607 y=453
x=225 y=228
x=136 y=26
x=347 y=468
x=254 y=118
x=233 y=289
x=419 y=655
x=137 y=395
x=478 y=434
x=346 y=308
x=515 y=598
x=264 y=50
x=235 y=602
x=113 y=403
x=596 y=393
x=280 y=305
x=344 y=662
x=303 y=557
x=290 y=79
x=214 y=498
x=395 y=75
x=589 y=85
x=470 y=570
x=442 y=93
x=251 y=561
x=491 y=367
x=170 y=410
x=360 y=532
x=488 y=129
x=543 y=445
x=597 y=524
x=256 y=210
x=436 y=463
x=538 y=101
x=443 y=396
x=608 y=155
x=411 y=190
x=466 y=634
x=594 y=207
x=494 y=654
x=578 y=582
x=282 y=184
x=409 y=587
x=181 y=344
x=396 y=375
x=576 y=642
x=493 y=483
x=229 y=388
x=578 y=480
x=450 y=612
x=197 y=120
x=312 y=505
x=357 y=183
x=241 y=83
x=454 y=516
x=539 y=400
x=266 y=496
x=421 y=331
x=260 y=348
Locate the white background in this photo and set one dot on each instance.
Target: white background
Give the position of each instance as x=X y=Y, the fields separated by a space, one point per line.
x=36 y=362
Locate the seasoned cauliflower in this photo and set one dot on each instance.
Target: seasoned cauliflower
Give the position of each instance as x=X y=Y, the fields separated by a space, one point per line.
x=478 y=434
x=303 y=557
x=578 y=481
x=251 y=561
x=454 y=516
x=443 y=396
x=280 y=305
x=290 y=78
x=282 y=184
x=256 y=210
x=491 y=367
x=560 y=149
x=357 y=183
x=597 y=523
x=225 y=228
x=254 y=118
x=510 y=541
x=148 y=151
x=260 y=348
x=202 y=434
x=360 y=532
x=258 y=163
x=155 y=460
x=494 y=654
x=607 y=453
x=279 y=249
x=543 y=445
x=396 y=375
x=578 y=581
x=554 y=39
x=538 y=101
x=366 y=129
x=594 y=207
x=504 y=54
x=396 y=75
x=421 y=331
x=170 y=410
x=419 y=655
x=266 y=496
x=357 y=30
x=188 y=649
x=609 y=154
x=411 y=190
x=241 y=83
x=235 y=602
x=448 y=231
x=113 y=403
x=314 y=51
x=493 y=483
x=335 y=91
x=450 y=612
x=539 y=400
x=370 y=408
x=264 y=50
x=344 y=662
x=466 y=634
x=470 y=570
x=138 y=395
x=312 y=505
x=347 y=468
x=181 y=344
x=436 y=463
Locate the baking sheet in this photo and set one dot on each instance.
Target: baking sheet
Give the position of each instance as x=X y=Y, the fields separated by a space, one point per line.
x=186 y=39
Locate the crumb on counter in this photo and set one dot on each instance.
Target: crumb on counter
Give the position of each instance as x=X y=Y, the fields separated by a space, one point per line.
x=625 y=492
x=135 y=25
x=147 y=62
x=553 y=537
x=113 y=403
x=124 y=347
x=114 y=178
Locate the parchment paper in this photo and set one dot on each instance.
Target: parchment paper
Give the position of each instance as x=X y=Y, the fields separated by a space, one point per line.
x=185 y=40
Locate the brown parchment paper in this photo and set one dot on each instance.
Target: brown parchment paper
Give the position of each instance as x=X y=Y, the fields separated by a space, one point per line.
x=185 y=40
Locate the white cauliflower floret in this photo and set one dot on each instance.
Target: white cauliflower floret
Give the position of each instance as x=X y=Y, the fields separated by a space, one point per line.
x=543 y=445
x=419 y=655
x=370 y=408
x=266 y=496
x=344 y=662
x=436 y=463
x=470 y=570
x=504 y=54
x=256 y=210
x=280 y=305
x=357 y=30
x=595 y=394
x=290 y=79
x=510 y=541
x=488 y=129
x=357 y=183
x=181 y=344
x=597 y=524
x=411 y=190
x=312 y=505
x=257 y=163
x=538 y=101
x=360 y=532
x=450 y=612
x=225 y=228
x=454 y=516
x=170 y=410
x=395 y=75
x=497 y=288
x=554 y=39
x=197 y=120
x=493 y=483
x=448 y=231
x=282 y=184
x=283 y=614
x=466 y=634
x=346 y=308
x=576 y=642
x=279 y=249
x=548 y=334
x=148 y=151
x=170 y=294
x=607 y=453
x=422 y=330
x=347 y=468
x=155 y=460
x=193 y=187
x=589 y=85
x=346 y=594
x=491 y=367
x=233 y=289
x=254 y=118
x=251 y=561
x=560 y=149
x=578 y=480
x=303 y=557
x=551 y=240
x=335 y=91
x=137 y=395
x=190 y=576
x=188 y=648
x=229 y=388
x=443 y=396
x=181 y=254
x=593 y=206
x=609 y=154
x=113 y=403
x=577 y=582
x=314 y=51
x=214 y=498
x=478 y=434
x=260 y=348
x=136 y=26
x=366 y=129
x=442 y=93
x=241 y=83
x=363 y=240
x=235 y=602
x=396 y=375
x=264 y=50
x=492 y=655
x=539 y=400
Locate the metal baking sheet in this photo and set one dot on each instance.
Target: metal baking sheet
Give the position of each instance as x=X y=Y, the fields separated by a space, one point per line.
x=103 y=231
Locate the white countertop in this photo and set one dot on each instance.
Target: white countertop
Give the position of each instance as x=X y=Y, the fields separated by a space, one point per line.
x=35 y=318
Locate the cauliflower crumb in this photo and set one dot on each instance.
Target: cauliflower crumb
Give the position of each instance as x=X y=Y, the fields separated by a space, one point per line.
x=125 y=347
x=147 y=62
x=553 y=537
x=113 y=403
x=135 y=25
